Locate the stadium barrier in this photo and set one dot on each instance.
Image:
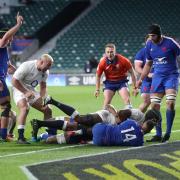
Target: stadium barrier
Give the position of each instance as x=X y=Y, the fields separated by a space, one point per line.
x=69 y=80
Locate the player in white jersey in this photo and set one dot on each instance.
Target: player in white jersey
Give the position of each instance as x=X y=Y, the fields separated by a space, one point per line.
x=25 y=79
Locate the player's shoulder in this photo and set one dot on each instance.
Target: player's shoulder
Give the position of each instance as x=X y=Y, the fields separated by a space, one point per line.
x=27 y=63
x=102 y=62
x=170 y=40
x=122 y=58
x=102 y=59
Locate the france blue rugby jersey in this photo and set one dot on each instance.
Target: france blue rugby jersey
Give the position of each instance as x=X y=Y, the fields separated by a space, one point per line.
x=141 y=56
x=3 y=62
x=127 y=133
x=164 y=56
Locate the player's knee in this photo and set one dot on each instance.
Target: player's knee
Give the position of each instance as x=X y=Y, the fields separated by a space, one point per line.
x=171 y=100
x=155 y=100
x=6 y=110
x=24 y=109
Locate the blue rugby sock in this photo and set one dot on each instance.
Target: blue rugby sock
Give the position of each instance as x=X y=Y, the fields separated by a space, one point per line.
x=159 y=126
x=169 y=120
x=3 y=133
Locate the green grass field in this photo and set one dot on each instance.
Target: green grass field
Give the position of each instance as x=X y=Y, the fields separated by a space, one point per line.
x=13 y=155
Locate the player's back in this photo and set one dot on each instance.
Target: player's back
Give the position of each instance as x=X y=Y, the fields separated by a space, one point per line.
x=127 y=133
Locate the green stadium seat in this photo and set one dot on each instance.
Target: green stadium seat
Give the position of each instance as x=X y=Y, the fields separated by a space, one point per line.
x=121 y=22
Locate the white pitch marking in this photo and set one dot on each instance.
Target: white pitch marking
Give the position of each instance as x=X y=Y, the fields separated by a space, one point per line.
x=52 y=149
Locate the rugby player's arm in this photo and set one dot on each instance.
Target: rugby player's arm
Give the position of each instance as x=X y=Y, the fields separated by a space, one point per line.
x=43 y=89
x=146 y=70
x=11 y=32
x=111 y=109
x=133 y=77
x=98 y=80
x=11 y=68
x=17 y=84
x=138 y=66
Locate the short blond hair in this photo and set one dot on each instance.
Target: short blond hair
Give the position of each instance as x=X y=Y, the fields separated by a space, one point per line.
x=47 y=57
x=110 y=45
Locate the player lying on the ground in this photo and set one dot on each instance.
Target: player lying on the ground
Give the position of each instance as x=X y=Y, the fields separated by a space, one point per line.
x=127 y=133
x=110 y=116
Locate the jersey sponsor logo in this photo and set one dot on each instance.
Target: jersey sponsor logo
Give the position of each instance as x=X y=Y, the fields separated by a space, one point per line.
x=34 y=83
x=161 y=60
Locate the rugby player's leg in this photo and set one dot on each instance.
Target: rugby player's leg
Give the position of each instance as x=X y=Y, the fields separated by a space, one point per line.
x=170 y=112
x=69 y=110
x=108 y=95
x=23 y=107
x=6 y=108
x=156 y=104
x=146 y=102
x=46 y=110
x=11 y=124
x=125 y=95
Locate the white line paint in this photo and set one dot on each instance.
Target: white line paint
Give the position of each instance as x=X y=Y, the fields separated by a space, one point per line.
x=39 y=151
x=52 y=149
x=30 y=176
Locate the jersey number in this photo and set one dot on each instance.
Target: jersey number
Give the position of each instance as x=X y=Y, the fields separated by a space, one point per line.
x=128 y=136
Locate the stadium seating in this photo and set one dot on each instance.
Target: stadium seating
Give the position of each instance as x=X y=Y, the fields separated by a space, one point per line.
x=36 y=15
x=121 y=22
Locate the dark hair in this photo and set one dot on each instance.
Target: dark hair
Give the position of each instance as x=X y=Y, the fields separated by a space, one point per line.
x=152 y=114
x=124 y=114
x=155 y=29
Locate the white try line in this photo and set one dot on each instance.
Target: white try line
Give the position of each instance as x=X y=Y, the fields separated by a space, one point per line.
x=42 y=150
x=53 y=149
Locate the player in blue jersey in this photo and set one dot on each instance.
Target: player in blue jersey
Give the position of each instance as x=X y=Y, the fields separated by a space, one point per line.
x=162 y=53
x=139 y=62
x=128 y=133
x=4 y=64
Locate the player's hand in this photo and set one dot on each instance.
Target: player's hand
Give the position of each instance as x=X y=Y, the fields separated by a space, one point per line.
x=150 y=75
x=135 y=91
x=19 y=19
x=1 y=86
x=97 y=93
x=138 y=84
x=29 y=95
